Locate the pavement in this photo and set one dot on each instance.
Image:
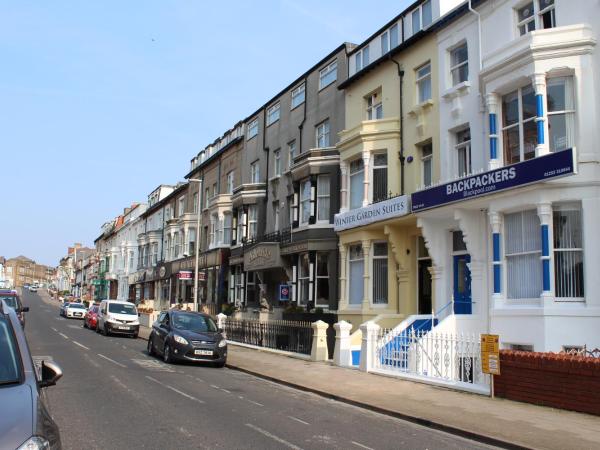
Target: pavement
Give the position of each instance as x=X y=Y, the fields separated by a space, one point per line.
x=496 y=421
x=113 y=395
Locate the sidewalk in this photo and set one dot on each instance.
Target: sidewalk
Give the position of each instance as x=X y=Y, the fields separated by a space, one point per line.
x=496 y=421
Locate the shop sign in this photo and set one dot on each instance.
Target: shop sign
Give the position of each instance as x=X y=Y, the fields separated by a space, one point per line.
x=295 y=248
x=387 y=209
x=263 y=256
x=553 y=165
x=284 y=292
x=185 y=275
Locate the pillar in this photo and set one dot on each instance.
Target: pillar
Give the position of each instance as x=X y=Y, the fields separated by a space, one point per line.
x=344 y=187
x=366 y=303
x=342 y=354
x=539 y=84
x=221 y=318
x=370 y=333
x=319 y=351
x=492 y=105
x=545 y=214
x=366 y=179
x=496 y=223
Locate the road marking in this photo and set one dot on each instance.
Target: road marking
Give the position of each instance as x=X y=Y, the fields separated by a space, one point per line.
x=358 y=444
x=225 y=390
x=200 y=380
x=299 y=420
x=54 y=329
x=153 y=365
x=175 y=390
x=112 y=360
x=272 y=436
x=213 y=386
x=81 y=345
x=64 y=335
x=256 y=403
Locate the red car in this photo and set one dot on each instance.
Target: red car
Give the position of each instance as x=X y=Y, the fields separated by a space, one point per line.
x=90 y=320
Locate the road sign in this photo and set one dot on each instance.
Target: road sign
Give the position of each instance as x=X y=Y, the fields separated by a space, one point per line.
x=490 y=354
x=284 y=292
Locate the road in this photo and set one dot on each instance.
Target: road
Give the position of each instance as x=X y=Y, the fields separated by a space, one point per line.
x=113 y=395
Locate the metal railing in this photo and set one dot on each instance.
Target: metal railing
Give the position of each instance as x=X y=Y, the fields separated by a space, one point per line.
x=210 y=308
x=283 y=236
x=442 y=356
x=284 y=335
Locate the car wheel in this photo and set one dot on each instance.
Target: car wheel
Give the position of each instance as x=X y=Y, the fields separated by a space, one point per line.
x=97 y=328
x=150 y=346
x=105 y=331
x=220 y=365
x=134 y=335
x=84 y=324
x=167 y=354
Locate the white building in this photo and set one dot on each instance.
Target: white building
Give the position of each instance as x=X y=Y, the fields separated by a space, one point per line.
x=511 y=230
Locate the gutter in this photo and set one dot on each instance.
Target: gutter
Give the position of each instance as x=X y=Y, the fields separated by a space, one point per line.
x=401 y=152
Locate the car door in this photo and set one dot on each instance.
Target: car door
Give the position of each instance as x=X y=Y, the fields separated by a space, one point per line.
x=162 y=331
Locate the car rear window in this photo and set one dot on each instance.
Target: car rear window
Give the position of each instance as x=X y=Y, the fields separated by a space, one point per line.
x=10 y=301
x=76 y=305
x=121 y=308
x=10 y=362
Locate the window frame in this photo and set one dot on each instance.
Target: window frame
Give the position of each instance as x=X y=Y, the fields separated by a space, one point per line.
x=420 y=80
x=374 y=283
x=303 y=282
x=455 y=67
x=291 y=153
x=375 y=166
x=536 y=17
x=252 y=129
x=325 y=71
x=304 y=203
x=277 y=162
x=299 y=90
x=520 y=125
x=563 y=250
x=362 y=58
x=321 y=182
x=426 y=158
x=374 y=106
x=255 y=172
x=419 y=11
x=352 y=174
x=322 y=134
x=273 y=113
x=569 y=114
x=358 y=260
x=230 y=181
x=181 y=206
x=319 y=277
x=466 y=146
x=252 y=221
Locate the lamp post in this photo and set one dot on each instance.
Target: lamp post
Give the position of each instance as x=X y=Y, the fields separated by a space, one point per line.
x=197 y=249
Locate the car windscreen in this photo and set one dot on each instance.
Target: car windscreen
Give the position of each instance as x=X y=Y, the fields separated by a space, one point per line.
x=10 y=366
x=121 y=308
x=194 y=322
x=76 y=305
x=11 y=301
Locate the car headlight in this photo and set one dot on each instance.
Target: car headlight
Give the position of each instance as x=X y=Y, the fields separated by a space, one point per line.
x=180 y=339
x=222 y=343
x=35 y=443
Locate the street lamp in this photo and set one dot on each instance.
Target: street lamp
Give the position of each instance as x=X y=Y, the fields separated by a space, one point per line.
x=197 y=249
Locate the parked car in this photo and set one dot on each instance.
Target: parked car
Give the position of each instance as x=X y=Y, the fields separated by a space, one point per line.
x=187 y=336
x=33 y=288
x=61 y=309
x=74 y=310
x=13 y=300
x=90 y=319
x=26 y=422
x=118 y=317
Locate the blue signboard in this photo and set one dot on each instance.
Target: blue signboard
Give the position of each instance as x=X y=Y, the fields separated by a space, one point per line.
x=546 y=167
x=284 y=292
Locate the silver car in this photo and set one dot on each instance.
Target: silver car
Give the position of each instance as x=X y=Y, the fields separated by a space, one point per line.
x=25 y=421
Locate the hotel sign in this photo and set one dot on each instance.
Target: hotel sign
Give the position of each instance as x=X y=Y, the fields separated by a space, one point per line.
x=553 y=165
x=387 y=209
x=263 y=256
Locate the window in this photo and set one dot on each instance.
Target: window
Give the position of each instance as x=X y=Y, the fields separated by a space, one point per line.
x=195 y=203
x=568 y=251
x=380 y=273
x=291 y=153
x=181 y=206
x=254 y=172
x=459 y=64
x=361 y=58
x=536 y=15
x=519 y=132
x=176 y=249
x=421 y=17
x=192 y=241
x=252 y=129
x=168 y=213
x=389 y=39
x=252 y=221
x=230 y=182
x=206 y=197
x=303 y=278
x=523 y=252
x=561 y=113
x=239 y=285
x=385 y=43
x=426 y=162
x=424 y=83
x=357 y=177
x=322 y=279
x=130 y=260
x=323 y=134
x=276 y=215
x=298 y=96
x=277 y=162
x=240 y=226
x=168 y=245
x=463 y=152
x=328 y=75
x=227 y=229
x=374 y=106
x=273 y=114
x=305 y=209
x=356 y=272
x=394 y=35
x=323 y=195
x=379 y=177
x=154 y=253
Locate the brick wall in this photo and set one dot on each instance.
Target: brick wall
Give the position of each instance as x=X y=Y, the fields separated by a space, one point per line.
x=550 y=379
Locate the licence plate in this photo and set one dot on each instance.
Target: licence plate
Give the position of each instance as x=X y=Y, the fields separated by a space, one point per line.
x=203 y=352
x=123 y=328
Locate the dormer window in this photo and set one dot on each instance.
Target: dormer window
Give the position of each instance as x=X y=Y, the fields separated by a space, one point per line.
x=536 y=15
x=361 y=58
x=389 y=39
x=421 y=17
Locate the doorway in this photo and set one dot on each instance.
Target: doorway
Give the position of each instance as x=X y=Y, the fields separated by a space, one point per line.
x=424 y=298
x=462 y=285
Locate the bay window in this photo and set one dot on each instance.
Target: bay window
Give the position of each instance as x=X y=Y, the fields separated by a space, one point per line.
x=561 y=113
x=227 y=229
x=303 y=278
x=380 y=273
x=356 y=272
x=519 y=132
x=252 y=221
x=463 y=152
x=322 y=279
x=305 y=209
x=523 y=250
x=568 y=251
x=357 y=177
x=380 y=177
x=323 y=198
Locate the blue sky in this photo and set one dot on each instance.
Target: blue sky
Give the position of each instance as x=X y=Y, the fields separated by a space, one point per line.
x=102 y=101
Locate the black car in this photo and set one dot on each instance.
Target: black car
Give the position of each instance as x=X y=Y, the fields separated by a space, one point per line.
x=187 y=336
x=14 y=301
x=24 y=419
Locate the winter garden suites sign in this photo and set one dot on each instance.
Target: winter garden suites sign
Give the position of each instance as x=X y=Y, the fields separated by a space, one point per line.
x=387 y=209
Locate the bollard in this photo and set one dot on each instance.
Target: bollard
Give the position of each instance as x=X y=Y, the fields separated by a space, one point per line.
x=319 y=343
x=342 y=354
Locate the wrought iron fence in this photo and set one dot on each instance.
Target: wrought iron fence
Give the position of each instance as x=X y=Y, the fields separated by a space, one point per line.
x=441 y=356
x=283 y=236
x=285 y=335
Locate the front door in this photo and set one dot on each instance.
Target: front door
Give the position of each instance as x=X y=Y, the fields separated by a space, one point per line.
x=424 y=286
x=462 y=285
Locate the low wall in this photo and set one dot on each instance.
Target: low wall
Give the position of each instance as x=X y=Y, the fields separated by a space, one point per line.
x=550 y=379
x=147 y=320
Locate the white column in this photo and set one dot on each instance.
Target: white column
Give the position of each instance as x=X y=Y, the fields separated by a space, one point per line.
x=539 y=84
x=342 y=354
x=370 y=333
x=492 y=106
x=220 y=229
x=366 y=303
x=319 y=344
x=366 y=157
x=544 y=211
x=343 y=301
x=344 y=187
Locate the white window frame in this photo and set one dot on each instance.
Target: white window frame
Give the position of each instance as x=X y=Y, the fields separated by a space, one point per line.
x=375 y=283
x=181 y=206
x=463 y=146
x=421 y=80
x=325 y=77
x=322 y=132
x=303 y=280
x=352 y=173
x=227 y=227
x=291 y=153
x=361 y=58
x=455 y=67
x=418 y=12
x=426 y=158
x=277 y=162
x=305 y=204
x=519 y=124
x=230 y=182
x=374 y=106
x=386 y=38
x=240 y=227
x=191 y=240
x=536 y=17
x=252 y=221
x=358 y=260
x=561 y=253
x=569 y=113
x=323 y=180
x=298 y=96
x=378 y=167
x=252 y=129
x=273 y=113
x=212 y=234
x=255 y=172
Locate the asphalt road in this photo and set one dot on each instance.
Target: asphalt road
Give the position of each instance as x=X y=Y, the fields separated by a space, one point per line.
x=114 y=396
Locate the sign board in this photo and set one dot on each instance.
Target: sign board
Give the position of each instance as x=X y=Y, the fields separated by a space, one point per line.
x=284 y=293
x=553 y=165
x=387 y=209
x=263 y=256
x=185 y=275
x=490 y=354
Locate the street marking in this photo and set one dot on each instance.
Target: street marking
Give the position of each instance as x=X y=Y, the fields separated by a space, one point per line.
x=81 y=345
x=153 y=365
x=272 y=436
x=256 y=403
x=54 y=329
x=200 y=380
x=64 y=335
x=112 y=360
x=225 y=390
x=299 y=420
x=358 y=444
x=213 y=386
x=175 y=390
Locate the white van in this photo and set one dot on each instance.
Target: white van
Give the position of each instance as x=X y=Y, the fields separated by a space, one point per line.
x=118 y=317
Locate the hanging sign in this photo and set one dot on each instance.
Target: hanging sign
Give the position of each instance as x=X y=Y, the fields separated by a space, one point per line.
x=284 y=292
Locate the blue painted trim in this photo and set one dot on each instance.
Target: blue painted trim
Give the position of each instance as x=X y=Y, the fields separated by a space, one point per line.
x=496 y=243
x=539 y=103
x=545 y=241
x=546 y=274
x=497 y=278
x=492 y=123
x=493 y=138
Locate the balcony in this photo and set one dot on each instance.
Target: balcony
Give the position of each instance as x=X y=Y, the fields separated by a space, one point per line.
x=308 y=163
x=248 y=193
x=220 y=201
x=283 y=236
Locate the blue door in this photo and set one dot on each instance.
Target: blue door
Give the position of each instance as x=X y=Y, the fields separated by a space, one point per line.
x=462 y=285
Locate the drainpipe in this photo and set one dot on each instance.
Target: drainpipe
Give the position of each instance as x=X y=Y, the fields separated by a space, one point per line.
x=301 y=126
x=401 y=152
x=479 y=32
x=266 y=149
